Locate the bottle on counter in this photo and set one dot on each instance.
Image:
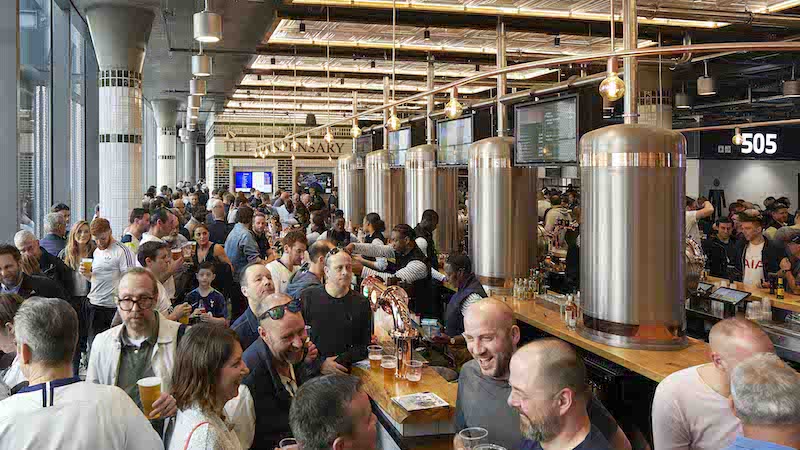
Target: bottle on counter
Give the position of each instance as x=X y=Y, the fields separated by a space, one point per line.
x=570 y=313
x=779 y=293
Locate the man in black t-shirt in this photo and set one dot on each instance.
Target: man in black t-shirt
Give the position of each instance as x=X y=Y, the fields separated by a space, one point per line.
x=340 y=318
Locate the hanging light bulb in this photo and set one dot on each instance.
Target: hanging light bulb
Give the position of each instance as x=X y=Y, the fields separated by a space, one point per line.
x=329 y=158
x=283 y=146
x=292 y=157
x=453 y=109
x=294 y=144
x=328 y=136
x=308 y=140
x=355 y=130
x=612 y=88
x=738 y=139
x=393 y=123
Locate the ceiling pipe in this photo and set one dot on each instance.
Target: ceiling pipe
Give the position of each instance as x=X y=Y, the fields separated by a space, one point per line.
x=748 y=18
x=630 y=39
x=602 y=55
x=771 y=123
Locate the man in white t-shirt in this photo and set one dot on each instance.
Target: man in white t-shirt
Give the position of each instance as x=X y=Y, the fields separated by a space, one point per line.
x=756 y=255
x=109 y=261
x=691 y=409
x=52 y=412
x=282 y=270
x=695 y=212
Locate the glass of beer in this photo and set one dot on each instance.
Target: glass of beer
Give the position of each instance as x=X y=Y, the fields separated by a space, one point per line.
x=194 y=246
x=87 y=264
x=389 y=365
x=187 y=251
x=473 y=437
x=176 y=254
x=149 y=391
x=414 y=371
x=288 y=443
x=375 y=356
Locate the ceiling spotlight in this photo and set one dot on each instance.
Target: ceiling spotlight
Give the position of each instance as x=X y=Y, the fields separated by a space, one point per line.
x=355 y=130
x=197 y=87
x=738 y=139
x=328 y=136
x=272 y=61
x=302 y=27
x=683 y=101
x=557 y=40
x=372 y=64
x=308 y=140
x=612 y=88
x=477 y=67
x=207 y=26
x=453 y=109
x=201 y=65
x=706 y=85
x=393 y=123
x=427 y=34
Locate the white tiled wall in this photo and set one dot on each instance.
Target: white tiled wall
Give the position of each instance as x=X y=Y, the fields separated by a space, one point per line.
x=166 y=148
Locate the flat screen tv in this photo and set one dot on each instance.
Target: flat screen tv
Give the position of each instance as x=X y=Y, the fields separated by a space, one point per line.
x=546 y=132
x=455 y=137
x=399 y=142
x=323 y=179
x=244 y=181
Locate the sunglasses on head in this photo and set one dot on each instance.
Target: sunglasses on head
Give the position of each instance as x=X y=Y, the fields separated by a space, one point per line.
x=279 y=311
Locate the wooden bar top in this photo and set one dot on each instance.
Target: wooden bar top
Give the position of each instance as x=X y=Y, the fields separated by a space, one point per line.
x=790 y=302
x=382 y=393
x=652 y=364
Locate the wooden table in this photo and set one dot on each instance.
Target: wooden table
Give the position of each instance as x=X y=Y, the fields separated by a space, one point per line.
x=655 y=365
x=790 y=302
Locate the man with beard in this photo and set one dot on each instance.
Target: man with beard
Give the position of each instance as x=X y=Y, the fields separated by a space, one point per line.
x=340 y=318
x=276 y=366
x=256 y=286
x=548 y=388
x=483 y=385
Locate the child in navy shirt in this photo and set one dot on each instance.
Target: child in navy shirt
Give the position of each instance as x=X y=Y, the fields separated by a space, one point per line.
x=208 y=303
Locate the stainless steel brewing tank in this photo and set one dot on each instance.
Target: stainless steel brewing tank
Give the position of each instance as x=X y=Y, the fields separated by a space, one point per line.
x=632 y=237
x=352 y=198
x=385 y=189
x=420 y=174
x=502 y=214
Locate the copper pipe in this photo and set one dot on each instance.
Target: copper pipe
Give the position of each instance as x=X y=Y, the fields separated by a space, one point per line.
x=742 y=125
x=669 y=50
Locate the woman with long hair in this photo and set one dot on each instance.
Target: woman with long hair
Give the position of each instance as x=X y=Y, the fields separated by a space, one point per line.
x=10 y=371
x=208 y=372
x=207 y=250
x=79 y=245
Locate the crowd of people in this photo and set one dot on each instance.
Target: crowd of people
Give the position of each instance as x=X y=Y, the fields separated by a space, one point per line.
x=242 y=308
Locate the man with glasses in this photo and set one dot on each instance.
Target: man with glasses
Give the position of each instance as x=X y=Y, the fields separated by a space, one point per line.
x=340 y=318
x=143 y=346
x=279 y=362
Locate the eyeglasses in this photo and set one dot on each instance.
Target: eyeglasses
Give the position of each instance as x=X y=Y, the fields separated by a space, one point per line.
x=279 y=311
x=144 y=302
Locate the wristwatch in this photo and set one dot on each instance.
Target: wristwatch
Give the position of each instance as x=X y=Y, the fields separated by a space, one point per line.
x=452 y=341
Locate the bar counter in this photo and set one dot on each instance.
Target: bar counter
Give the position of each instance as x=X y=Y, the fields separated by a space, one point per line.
x=790 y=302
x=655 y=365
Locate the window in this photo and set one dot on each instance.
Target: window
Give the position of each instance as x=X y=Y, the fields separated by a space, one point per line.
x=77 y=172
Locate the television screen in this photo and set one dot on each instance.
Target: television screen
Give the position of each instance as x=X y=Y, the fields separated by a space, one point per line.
x=364 y=145
x=455 y=137
x=244 y=181
x=323 y=179
x=399 y=142
x=547 y=131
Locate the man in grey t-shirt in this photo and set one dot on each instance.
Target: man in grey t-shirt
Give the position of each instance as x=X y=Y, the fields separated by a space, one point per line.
x=483 y=387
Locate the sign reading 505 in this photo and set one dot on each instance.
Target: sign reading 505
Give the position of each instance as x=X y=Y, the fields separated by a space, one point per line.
x=759 y=143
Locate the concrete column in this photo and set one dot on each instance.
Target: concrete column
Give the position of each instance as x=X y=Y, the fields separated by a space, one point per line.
x=655 y=96
x=189 y=157
x=120 y=34
x=166 y=112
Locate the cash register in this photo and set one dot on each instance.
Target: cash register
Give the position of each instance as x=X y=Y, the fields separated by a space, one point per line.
x=719 y=303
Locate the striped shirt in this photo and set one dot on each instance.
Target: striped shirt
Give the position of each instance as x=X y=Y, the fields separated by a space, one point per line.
x=415 y=270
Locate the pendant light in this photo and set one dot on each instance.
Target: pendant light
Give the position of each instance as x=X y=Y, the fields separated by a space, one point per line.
x=706 y=85
x=612 y=88
x=197 y=87
x=292 y=156
x=453 y=109
x=283 y=146
x=355 y=130
x=738 y=139
x=201 y=64
x=295 y=145
x=328 y=136
x=682 y=99
x=207 y=26
x=308 y=140
x=393 y=123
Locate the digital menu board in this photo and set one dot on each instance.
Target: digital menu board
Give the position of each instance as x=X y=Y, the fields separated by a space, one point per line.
x=399 y=142
x=455 y=137
x=244 y=181
x=547 y=131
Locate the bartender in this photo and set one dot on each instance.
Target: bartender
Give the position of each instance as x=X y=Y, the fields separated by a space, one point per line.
x=412 y=268
x=424 y=240
x=720 y=250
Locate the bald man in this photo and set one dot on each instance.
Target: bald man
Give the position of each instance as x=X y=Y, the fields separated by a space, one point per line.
x=279 y=363
x=548 y=389
x=483 y=386
x=690 y=407
x=256 y=286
